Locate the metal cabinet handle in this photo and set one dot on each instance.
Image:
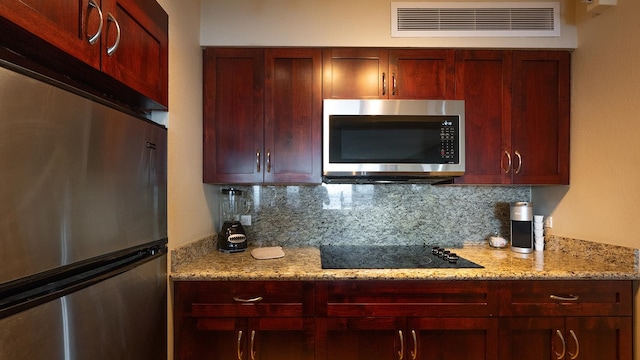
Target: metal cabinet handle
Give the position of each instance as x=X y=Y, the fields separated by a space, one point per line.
x=268 y=161
x=112 y=49
x=414 y=352
x=394 y=85
x=401 y=352
x=252 y=347
x=384 y=84
x=516 y=171
x=92 y=39
x=239 y=345
x=575 y=338
x=508 y=168
x=568 y=297
x=250 y=300
x=564 y=348
x=258 y=160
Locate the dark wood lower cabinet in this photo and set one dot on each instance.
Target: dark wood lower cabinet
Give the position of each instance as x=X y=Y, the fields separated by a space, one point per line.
x=388 y=338
x=585 y=338
x=414 y=320
x=254 y=339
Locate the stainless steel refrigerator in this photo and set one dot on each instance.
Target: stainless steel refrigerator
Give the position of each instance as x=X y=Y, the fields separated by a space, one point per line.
x=83 y=227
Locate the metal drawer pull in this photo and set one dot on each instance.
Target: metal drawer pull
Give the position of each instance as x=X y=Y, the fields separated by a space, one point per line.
x=414 y=353
x=517 y=171
x=92 y=39
x=384 y=84
x=506 y=171
x=268 y=161
x=251 y=300
x=112 y=49
x=575 y=338
x=564 y=348
x=569 y=297
x=401 y=352
x=252 y=347
x=395 y=84
x=239 y=345
x=258 y=160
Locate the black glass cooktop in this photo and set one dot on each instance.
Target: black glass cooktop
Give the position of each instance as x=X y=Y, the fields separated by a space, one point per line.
x=389 y=257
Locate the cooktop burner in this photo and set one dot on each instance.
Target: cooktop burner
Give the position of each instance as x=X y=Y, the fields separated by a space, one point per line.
x=391 y=257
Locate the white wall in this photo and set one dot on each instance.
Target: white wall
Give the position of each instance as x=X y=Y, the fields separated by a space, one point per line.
x=339 y=23
x=603 y=201
x=190 y=202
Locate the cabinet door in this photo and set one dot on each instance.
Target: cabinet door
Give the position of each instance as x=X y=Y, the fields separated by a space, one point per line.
x=293 y=115
x=453 y=339
x=281 y=338
x=599 y=338
x=233 y=115
x=68 y=25
x=255 y=339
x=532 y=338
x=364 y=338
x=540 y=117
x=355 y=73
x=483 y=81
x=421 y=74
x=217 y=338
x=135 y=46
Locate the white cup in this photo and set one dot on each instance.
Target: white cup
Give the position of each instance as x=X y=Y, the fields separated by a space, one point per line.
x=538 y=232
x=537 y=226
x=538 y=218
x=539 y=246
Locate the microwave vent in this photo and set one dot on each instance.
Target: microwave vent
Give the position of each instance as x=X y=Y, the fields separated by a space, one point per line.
x=475 y=19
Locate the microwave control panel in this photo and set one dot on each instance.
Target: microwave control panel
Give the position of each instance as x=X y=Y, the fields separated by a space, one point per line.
x=448 y=140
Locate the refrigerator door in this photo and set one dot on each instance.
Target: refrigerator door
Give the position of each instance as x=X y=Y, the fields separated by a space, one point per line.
x=79 y=179
x=123 y=317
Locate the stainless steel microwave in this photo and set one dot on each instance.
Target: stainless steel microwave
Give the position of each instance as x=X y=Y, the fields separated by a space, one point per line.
x=393 y=140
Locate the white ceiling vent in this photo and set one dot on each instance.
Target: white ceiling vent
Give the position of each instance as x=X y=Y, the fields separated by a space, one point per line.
x=475 y=19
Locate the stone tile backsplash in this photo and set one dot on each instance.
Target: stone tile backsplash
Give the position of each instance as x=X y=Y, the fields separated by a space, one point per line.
x=378 y=214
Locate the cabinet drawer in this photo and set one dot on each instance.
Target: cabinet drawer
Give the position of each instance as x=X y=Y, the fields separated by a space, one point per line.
x=246 y=298
x=407 y=298
x=566 y=298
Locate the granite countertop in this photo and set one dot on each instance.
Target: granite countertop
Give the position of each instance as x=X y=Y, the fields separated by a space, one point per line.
x=562 y=259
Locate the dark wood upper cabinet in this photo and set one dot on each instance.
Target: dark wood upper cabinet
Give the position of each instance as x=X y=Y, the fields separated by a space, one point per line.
x=540 y=117
x=126 y=40
x=233 y=115
x=68 y=25
x=421 y=74
x=517 y=116
x=356 y=73
x=140 y=60
x=483 y=81
x=262 y=115
x=369 y=73
x=293 y=115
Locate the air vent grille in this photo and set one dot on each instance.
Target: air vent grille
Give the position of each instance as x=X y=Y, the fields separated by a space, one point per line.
x=416 y=19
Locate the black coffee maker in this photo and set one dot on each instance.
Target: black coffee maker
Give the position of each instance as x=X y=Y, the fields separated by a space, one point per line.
x=232 y=237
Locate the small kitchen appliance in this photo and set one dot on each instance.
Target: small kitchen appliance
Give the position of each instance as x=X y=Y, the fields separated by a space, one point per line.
x=380 y=141
x=522 y=227
x=232 y=237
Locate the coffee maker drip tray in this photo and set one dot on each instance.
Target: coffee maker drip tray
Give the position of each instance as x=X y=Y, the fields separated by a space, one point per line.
x=391 y=257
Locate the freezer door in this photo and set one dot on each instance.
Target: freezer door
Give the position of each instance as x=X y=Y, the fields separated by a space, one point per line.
x=79 y=179
x=123 y=317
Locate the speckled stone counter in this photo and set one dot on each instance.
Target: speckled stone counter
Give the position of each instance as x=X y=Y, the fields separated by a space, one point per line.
x=562 y=259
